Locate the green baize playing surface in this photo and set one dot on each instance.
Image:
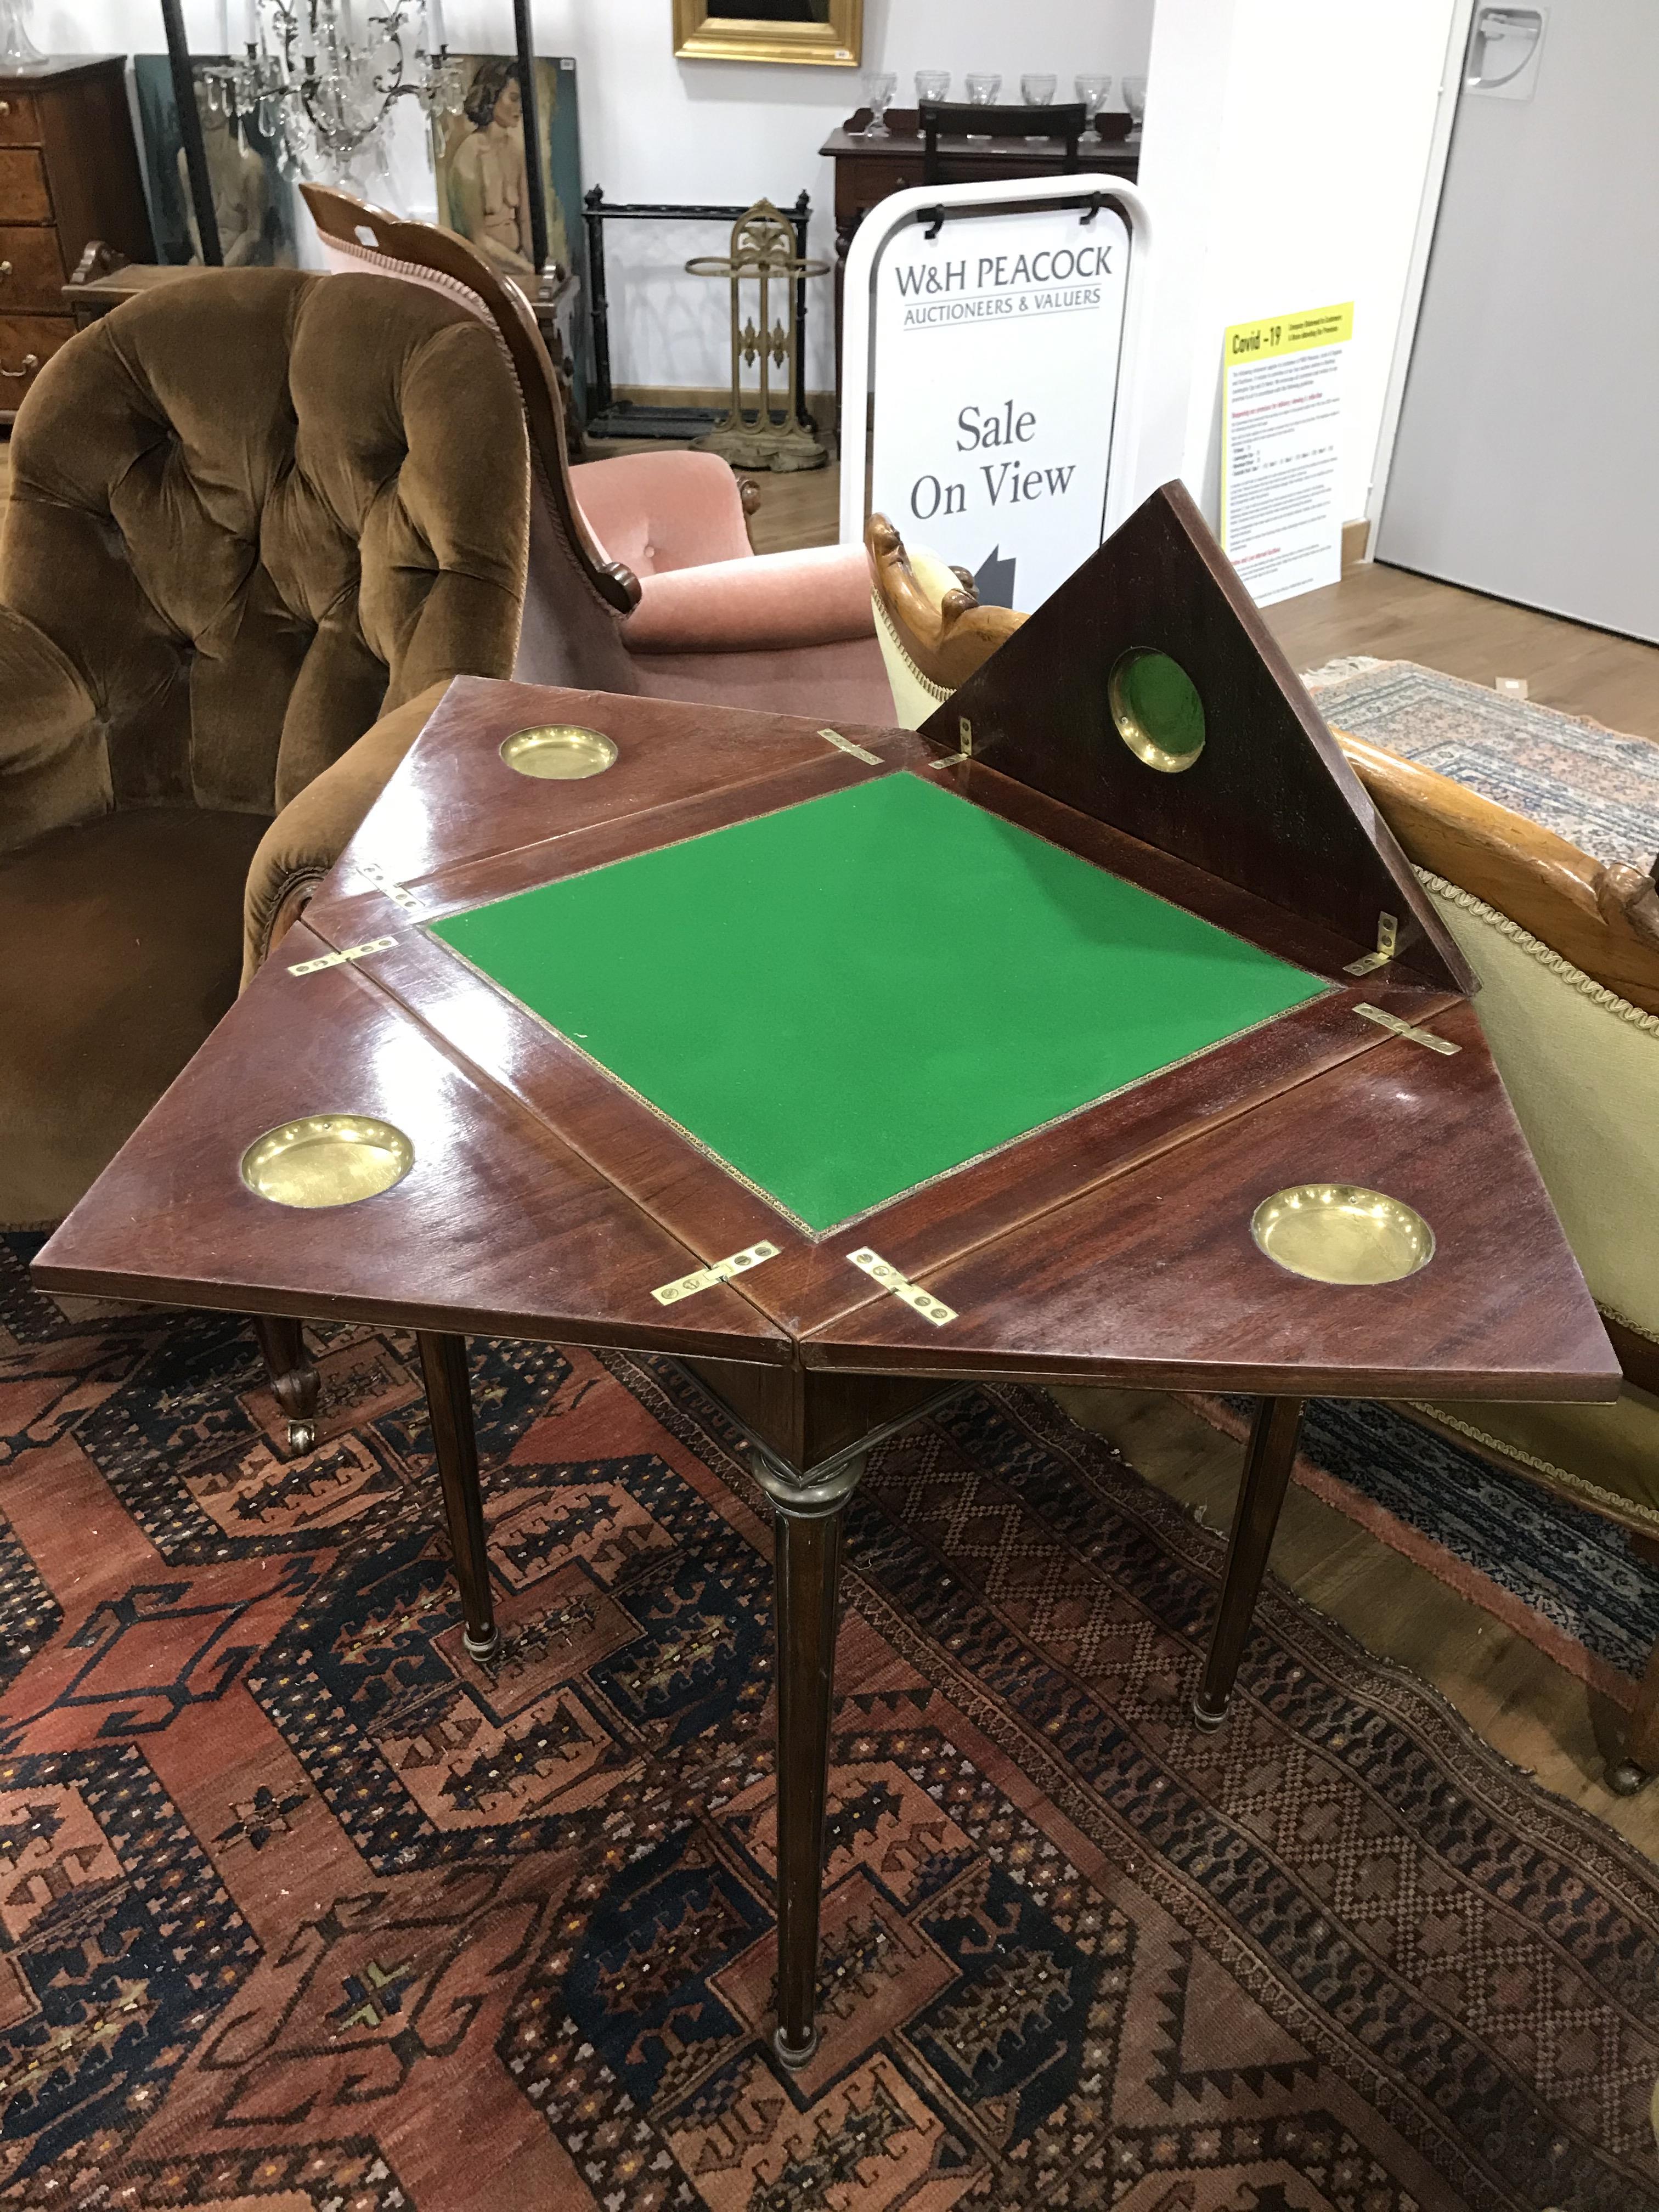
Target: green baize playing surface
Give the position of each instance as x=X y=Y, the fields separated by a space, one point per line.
x=857 y=995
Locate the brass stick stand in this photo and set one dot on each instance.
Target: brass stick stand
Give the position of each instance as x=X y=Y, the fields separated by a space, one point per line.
x=754 y=434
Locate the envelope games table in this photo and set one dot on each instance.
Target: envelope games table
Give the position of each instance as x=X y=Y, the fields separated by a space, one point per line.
x=1096 y=1032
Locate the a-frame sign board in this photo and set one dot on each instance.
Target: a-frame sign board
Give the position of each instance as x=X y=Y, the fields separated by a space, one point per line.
x=1266 y=801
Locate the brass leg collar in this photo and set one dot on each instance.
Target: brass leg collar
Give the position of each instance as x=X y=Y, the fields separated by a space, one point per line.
x=826 y=1489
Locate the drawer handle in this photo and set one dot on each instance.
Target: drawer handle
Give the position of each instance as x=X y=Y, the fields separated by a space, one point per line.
x=31 y=363
x=5 y=107
x=5 y=270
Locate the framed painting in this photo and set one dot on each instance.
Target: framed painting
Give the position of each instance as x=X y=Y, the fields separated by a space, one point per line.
x=479 y=159
x=253 y=203
x=829 y=31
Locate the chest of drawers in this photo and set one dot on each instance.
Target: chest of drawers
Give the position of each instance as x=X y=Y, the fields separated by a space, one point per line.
x=69 y=173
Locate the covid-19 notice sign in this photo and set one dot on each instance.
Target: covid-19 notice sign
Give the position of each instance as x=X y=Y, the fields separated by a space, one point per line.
x=995 y=360
x=1282 y=450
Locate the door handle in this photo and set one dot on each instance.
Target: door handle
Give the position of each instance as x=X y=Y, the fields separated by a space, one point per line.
x=31 y=363
x=1493 y=28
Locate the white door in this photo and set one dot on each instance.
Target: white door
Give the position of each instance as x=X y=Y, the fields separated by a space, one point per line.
x=1527 y=461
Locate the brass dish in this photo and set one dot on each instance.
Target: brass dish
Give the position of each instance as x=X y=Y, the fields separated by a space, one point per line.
x=1335 y=1232
x=1157 y=709
x=327 y=1159
x=559 y=752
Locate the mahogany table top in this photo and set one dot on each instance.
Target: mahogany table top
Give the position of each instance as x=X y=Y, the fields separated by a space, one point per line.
x=547 y=1201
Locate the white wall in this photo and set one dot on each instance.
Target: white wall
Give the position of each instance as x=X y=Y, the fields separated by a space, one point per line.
x=1287 y=143
x=656 y=129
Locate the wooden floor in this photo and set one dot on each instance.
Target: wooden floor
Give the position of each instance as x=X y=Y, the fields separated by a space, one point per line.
x=1400 y=616
x=797 y=510
x=1518 y=1700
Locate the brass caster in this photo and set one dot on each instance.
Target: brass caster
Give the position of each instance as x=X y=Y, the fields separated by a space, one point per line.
x=1626 y=1779
x=792 y=2058
x=482 y=1648
x=302 y=1435
x=1205 y=1719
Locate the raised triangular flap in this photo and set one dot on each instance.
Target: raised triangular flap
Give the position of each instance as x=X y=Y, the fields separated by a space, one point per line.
x=1081 y=703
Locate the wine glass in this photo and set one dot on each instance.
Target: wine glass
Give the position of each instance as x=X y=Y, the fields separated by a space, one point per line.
x=933 y=84
x=1134 y=98
x=982 y=90
x=1094 y=92
x=1036 y=92
x=879 y=86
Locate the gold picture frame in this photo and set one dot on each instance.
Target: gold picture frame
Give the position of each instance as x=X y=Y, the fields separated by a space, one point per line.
x=703 y=33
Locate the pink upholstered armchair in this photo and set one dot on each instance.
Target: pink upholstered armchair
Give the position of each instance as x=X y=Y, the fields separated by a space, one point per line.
x=658 y=541
x=718 y=620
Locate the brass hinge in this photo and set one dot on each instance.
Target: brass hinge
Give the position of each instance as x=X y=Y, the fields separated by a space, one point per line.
x=846 y=745
x=1404 y=1030
x=704 y=1279
x=338 y=959
x=1388 y=937
x=966 y=734
x=382 y=881
x=930 y=1307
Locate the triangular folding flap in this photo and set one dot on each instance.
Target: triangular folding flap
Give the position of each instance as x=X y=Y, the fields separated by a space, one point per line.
x=1269 y=803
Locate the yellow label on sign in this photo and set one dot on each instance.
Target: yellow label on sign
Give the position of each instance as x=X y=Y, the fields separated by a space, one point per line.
x=1318 y=326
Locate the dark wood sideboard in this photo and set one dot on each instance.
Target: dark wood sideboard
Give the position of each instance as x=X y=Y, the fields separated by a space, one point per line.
x=871 y=169
x=69 y=173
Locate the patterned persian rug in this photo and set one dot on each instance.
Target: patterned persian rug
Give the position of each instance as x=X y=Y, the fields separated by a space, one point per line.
x=1590 y=785
x=301 y=1910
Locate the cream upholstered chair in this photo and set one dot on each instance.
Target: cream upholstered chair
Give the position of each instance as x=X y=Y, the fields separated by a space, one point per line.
x=1567 y=951
x=650 y=548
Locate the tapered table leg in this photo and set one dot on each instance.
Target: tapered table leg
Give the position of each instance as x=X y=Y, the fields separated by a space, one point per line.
x=449 y=1398
x=806 y=1577
x=1267 y=1473
x=294 y=1382
x=1641 y=1760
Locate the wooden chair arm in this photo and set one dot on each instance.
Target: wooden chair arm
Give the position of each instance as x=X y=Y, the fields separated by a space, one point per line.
x=1602 y=917
x=948 y=639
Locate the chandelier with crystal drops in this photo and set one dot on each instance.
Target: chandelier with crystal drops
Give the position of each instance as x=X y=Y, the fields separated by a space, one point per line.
x=317 y=79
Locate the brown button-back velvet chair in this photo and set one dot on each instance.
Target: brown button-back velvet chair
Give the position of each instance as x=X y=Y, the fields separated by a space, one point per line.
x=253 y=515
